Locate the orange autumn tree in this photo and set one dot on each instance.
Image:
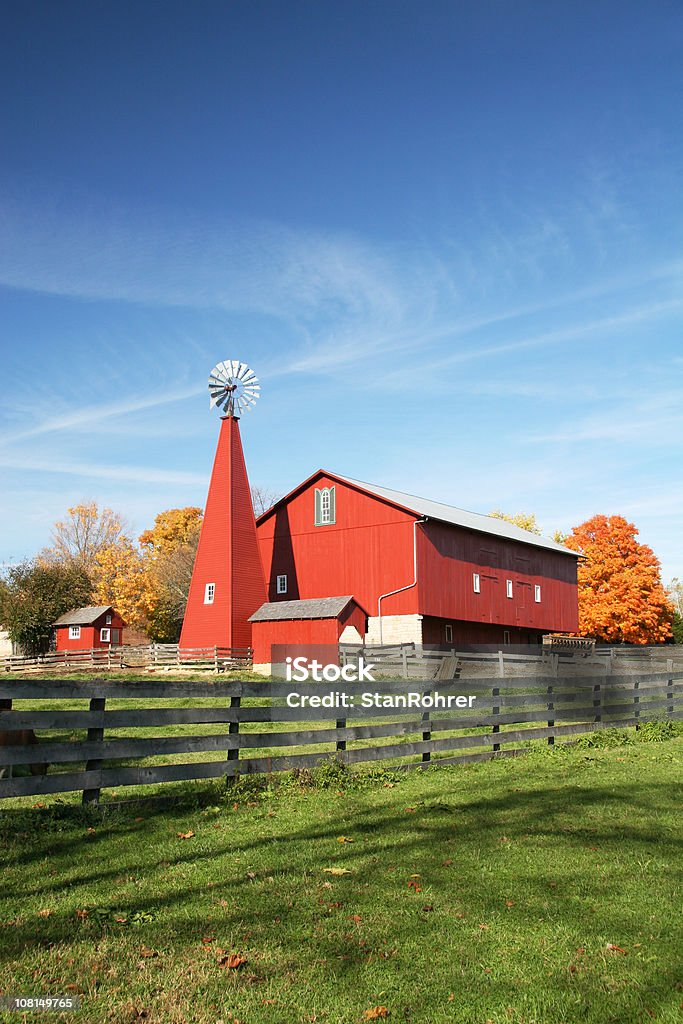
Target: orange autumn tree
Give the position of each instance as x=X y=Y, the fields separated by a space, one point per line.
x=168 y=553
x=621 y=597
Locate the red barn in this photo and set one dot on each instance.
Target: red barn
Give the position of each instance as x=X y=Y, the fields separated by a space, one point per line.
x=305 y=624
x=86 y=628
x=426 y=572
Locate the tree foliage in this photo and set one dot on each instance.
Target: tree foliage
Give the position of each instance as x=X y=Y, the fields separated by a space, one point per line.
x=86 y=531
x=34 y=594
x=168 y=552
x=120 y=580
x=621 y=597
x=525 y=520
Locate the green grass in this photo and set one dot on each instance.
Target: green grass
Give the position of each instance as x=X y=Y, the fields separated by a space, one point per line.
x=526 y=870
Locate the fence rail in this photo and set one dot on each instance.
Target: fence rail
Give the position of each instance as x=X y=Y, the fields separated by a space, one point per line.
x=152 y=656
x=242 y=738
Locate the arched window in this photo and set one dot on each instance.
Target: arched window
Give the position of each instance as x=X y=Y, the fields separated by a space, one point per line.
x=325 y=506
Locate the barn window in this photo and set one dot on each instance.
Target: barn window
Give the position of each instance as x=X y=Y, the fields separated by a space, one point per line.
x=476 y=584
x=116 y=636
x=537 y=594
x=108 y=619
x=508 y=588
x=281 y=585
x=325 y=506
x=209 y=592
x=105 y=635
x=506 y=637
x=74 y=632
x=449 y=633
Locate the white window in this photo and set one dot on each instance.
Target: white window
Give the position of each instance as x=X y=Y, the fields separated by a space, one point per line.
x=108 y=619
x=105 y=635
x=74 y=632
x=449 y=633
x=325 y=506
x=506 y=637
x=508 y=588
x=537 y=594
x=281 y=585
x=209 y=591
x=475 y=583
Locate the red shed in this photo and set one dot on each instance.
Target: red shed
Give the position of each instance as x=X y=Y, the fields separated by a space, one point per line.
x=85 y=628
x=427 y=572
x=303 y=624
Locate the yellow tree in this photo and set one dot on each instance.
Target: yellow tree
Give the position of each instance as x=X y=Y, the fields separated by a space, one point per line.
x=120 y=580
x=169 y=550
x=621 y=597
x=525 y=520
x=82 y=535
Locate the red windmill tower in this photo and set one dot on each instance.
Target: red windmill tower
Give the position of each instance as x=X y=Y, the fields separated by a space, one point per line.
x=228 y=584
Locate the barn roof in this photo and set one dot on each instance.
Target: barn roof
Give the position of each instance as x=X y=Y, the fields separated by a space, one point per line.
x=437 y=510
x=82 y=616
x=316 y=608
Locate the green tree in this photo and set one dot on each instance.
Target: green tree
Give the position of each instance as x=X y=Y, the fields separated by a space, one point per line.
x=525 y=520
x=34 y=594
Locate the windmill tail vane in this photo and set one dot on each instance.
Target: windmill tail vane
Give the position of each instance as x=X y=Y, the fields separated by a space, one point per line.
x=233 y=387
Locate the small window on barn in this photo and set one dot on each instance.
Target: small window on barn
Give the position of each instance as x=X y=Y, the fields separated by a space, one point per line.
x=508 y=588
x=209 y=592
x=449 y=633
x=108 y=619
x=105 y=635
x=74 y=632
x=537 y=594
x=281 y=585
x=506 y=637
x=476 y=584
x=325 y=506
x=116 y=637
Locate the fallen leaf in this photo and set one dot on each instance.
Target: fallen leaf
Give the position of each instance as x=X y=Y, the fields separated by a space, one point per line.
x=375 y=1012
x=447 y=863
x=232 y=961
x=45 y=913
x=148 y=954
x=415 y=886
x=509 y=903
x=484 y=927
x=81 y=914
x=428 y=908
x=185 y=835
x=451 y=997
x=410 y=810
x=355 y=917
x=337 y=871
x=615 y=949
x=389 y=785
x=345 y=839
x=139 y=819
x=416 y=876
x=251 y=875
x=91 y=831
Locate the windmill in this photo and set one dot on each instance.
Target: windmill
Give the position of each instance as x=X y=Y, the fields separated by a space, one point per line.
x=228 y=584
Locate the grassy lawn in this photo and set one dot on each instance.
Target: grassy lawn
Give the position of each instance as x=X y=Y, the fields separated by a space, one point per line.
x=539 y=889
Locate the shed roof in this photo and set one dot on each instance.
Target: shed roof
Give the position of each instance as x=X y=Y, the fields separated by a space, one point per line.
x=315 y=608
x=82 y=616
x=437 y=510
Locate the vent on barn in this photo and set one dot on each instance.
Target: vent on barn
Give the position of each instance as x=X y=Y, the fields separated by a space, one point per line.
x=228 y=584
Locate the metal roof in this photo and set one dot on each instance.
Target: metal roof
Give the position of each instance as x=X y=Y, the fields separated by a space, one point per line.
x=82 y=616
x=316 y=608
x=458 y=516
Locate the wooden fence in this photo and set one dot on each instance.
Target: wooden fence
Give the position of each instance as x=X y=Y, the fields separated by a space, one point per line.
x=151 y=656
x=242 y=738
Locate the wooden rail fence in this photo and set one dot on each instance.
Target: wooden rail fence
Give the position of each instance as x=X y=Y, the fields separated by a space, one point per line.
x=250 y=726
x=151 y=656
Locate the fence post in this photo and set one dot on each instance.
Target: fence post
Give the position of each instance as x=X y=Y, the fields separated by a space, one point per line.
x=597 y=701
x=233 y=730
x=551 y=721
x=495 y=710
x=426 y=730
x=404 y=661
x=92 y=796
x=340 y=744
x=501 y=665
x=636 y=702
x=670 y=686
x=215 y=660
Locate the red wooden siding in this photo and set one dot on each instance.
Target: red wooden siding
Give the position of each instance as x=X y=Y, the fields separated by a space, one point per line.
x=90 y=634
x=227 y=555
x=305 y=633
x=368 y=551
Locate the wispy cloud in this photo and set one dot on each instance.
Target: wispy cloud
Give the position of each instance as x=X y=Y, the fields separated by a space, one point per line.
x=100 y=470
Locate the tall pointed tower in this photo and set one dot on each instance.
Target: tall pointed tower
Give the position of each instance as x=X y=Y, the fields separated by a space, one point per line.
x=228 y=584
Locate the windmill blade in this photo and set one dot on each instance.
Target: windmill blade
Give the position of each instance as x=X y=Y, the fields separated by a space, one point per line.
x=233 y=387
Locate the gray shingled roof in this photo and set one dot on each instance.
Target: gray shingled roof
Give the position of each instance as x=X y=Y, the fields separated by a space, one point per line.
x=317 y=608
x=82 y=616
x=458 y=516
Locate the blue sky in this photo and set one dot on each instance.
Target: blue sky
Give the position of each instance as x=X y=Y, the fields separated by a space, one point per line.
x=446 y=236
